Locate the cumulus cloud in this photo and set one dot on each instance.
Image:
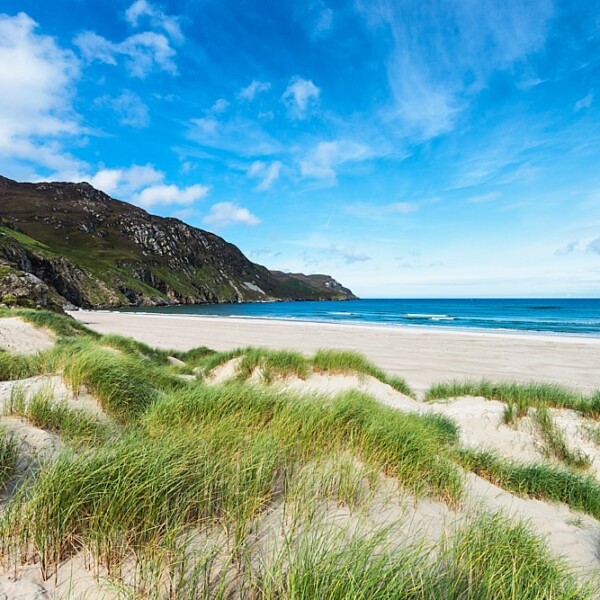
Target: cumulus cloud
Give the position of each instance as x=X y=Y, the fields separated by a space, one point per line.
x=321 y=162
x=123 y=183
x=142 y=185
x=266 y=173
x=299 y=96
x=224 y=214
x=38 y=80
x=129 y=108
x=163 y=195
x=254 y=88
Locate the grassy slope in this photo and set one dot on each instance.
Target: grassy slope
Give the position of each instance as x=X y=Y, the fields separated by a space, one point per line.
x=177 y=457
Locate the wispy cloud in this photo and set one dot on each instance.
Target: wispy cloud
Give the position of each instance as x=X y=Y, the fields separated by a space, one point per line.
x=366 y=210
x=129 y=108
x=322 y=161
x=348 y=254
x=432 y=82
x=484 y=198
x=594 y=246
x=143 y=52
x=157 y=18
x=224 y=214
x=267 y=174
x=568 y=248
x=238 y=134
x=252 y=89
x=584 y=102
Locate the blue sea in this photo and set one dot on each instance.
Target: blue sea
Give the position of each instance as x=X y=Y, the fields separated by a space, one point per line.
x=572 y=316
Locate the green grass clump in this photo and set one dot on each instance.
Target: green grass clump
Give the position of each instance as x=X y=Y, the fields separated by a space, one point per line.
x=493 y=557
x=281 y=363
x=555 y=443
x=19 y=366
x=9 y=454
x=346 y=361
x=272 y=363
x=123 y=384
x=542 y=481
x=410 y=447
x=518 y=396
x=141 y=492
x=76 y=426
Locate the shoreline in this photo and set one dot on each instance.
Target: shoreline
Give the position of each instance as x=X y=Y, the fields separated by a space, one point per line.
x=457 y=330
x=422 y=355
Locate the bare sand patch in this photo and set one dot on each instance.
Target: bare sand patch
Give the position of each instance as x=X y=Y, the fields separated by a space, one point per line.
x=23 y=338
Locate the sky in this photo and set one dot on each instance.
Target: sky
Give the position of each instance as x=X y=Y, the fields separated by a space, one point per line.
x=409 y=148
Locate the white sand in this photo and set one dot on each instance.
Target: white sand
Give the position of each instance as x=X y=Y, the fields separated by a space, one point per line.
x=24 y=338
x=421 y=355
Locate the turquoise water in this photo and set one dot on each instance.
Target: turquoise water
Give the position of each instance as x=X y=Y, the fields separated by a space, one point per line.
x=580 y=316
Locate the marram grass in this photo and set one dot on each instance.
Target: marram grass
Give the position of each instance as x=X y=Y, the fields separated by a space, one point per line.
x=174 y=484
x=519 y=396
x=282 y=363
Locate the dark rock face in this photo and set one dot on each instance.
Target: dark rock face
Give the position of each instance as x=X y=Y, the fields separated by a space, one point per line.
x=27 y=290
x=94 y=251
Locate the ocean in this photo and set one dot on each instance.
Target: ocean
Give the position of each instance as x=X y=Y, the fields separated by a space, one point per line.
x=564 y=316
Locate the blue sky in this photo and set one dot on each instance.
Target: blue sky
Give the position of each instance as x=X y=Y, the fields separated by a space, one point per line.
x=414 y=148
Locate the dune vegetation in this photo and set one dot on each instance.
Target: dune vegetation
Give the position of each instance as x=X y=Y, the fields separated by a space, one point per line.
x=181 y=488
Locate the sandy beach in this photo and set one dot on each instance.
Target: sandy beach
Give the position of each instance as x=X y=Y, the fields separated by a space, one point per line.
x=421 y=355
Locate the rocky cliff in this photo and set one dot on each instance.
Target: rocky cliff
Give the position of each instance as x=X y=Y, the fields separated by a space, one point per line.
x=70 y=243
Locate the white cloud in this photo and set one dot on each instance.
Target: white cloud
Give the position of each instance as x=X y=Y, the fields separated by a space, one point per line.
x=38 y=80
x=143 y=52
x=129 y=108
x=157 y=18
x=299 y=96
x=237 y=135
x=223 y=214
x=430 y=80
x=266 y=173
x=162 y=195
x=220 y=106
x=254 y=88
x=584 y=102
x=123 y=183
x=321 y=161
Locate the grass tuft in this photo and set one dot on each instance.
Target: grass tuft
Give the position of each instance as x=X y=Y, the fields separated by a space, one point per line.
x=518 y=396
x=545 y=482
x=555 y=443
